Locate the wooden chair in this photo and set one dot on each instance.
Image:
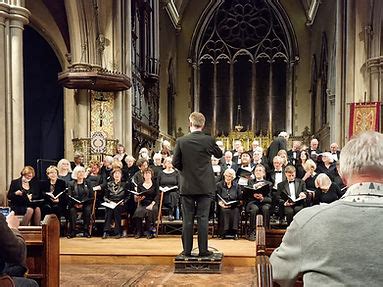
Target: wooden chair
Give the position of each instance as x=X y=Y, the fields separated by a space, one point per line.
x=6 y=281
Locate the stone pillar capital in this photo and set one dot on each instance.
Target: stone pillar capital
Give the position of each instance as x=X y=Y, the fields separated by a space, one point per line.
x=19 y=16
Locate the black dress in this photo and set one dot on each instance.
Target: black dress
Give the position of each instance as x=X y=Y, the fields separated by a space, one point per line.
x=229 y=217
x=151 y=194
x=333 y=194
x=20 y=203
x=171 y=197
x=59 y=208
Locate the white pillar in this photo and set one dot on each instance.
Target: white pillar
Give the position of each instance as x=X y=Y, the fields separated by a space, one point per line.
x=13 y=17
x=3 y=94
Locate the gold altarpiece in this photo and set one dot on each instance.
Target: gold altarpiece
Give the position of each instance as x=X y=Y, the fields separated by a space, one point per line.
x=101 y=141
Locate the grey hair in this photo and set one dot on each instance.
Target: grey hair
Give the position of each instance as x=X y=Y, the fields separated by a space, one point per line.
x=362 y=155
x=323 y=181
x=76 y=170
x=109 y=159
x=230 y=171
x=60 y=164
x=157 y=156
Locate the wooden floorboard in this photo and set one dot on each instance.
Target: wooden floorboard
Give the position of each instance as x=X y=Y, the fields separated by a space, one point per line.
x=157 y=251
x=150 y=275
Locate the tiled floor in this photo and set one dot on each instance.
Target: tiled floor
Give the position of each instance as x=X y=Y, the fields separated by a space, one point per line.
x=150 y=275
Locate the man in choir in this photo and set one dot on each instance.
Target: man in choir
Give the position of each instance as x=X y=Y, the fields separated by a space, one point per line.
x=254 y=146
x=337 y=244
x=192 y=157
x=258 y=158
x=276 y=176
x=313 y=150
x=228 y=162
x=245 y=170
x=335 y=152
x=276 y=145
x=260 y=201
x=293 y=192
x=294 y=153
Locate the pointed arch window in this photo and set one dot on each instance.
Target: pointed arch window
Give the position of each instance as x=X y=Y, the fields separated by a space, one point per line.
x=242 y=54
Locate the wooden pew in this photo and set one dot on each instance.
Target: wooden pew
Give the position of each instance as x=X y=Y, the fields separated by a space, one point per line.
x=43 y=251
x=267 y=241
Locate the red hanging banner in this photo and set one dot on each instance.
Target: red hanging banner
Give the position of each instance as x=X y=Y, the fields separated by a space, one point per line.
x=364 y=117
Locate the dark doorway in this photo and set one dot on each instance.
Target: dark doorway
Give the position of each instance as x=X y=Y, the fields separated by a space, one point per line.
x=43 y=101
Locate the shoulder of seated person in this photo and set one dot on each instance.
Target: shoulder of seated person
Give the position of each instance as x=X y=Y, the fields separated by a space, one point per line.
x=316 y=212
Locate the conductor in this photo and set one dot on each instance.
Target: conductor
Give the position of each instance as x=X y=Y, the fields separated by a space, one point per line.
x=192 y=157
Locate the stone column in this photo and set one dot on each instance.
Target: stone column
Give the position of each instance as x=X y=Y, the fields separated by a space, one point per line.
x=253 y=95
x=13 y=17
x=4 y=171
x=290 y=97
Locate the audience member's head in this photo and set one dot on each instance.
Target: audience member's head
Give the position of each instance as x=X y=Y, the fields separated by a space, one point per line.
x=362 y=159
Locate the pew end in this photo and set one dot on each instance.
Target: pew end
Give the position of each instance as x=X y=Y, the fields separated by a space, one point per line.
x=43 y=251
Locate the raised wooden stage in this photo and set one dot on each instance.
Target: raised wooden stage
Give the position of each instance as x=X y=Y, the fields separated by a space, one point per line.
x=156 y=251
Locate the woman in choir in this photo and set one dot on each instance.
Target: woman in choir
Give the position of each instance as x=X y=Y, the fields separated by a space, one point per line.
x=54 y=190
x=25 y=196
x=80 y=195
x=115 y=193
x=138 y=177
x=229 y=214
x=327 y=191
x=121 y=154
x=169 y=179
x=106 y=169
x=303 y=157
x=65 y=170
x=147 y=205
x=327 y=165
x=95 y=180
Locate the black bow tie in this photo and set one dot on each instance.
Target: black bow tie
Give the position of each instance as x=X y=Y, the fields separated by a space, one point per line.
x=292 y=181
x=278 y=171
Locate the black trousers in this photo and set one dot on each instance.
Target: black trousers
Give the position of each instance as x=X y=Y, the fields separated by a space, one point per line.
x=86 y=211
x=195 y=206
x=114 y=214
x=254 y=208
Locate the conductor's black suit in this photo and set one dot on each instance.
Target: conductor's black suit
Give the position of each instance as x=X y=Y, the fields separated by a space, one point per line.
x=192 y=157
